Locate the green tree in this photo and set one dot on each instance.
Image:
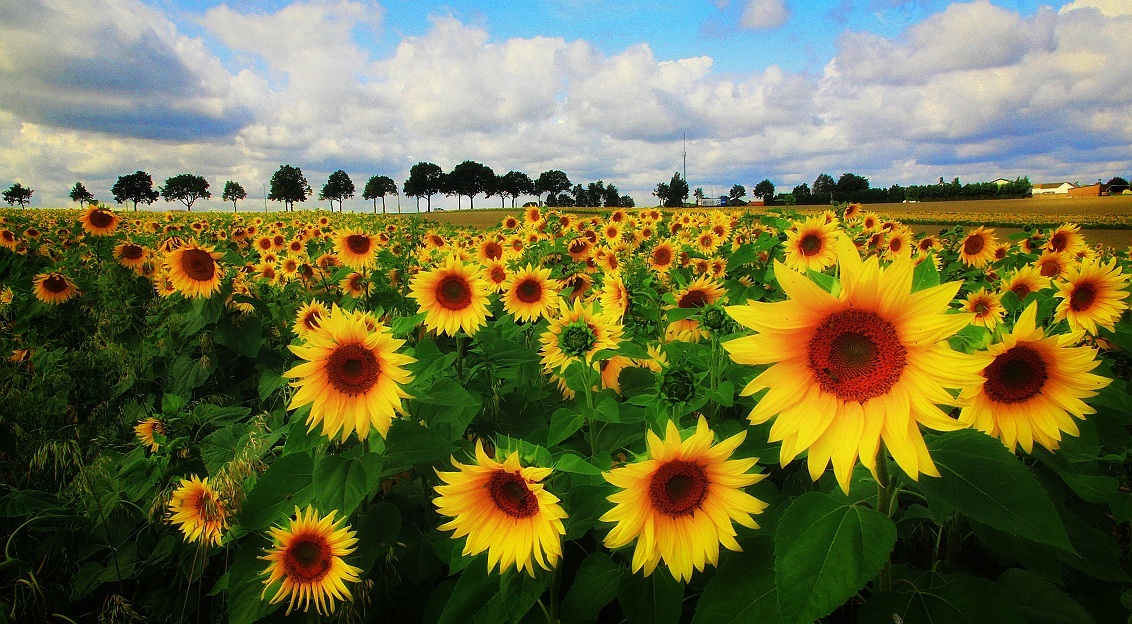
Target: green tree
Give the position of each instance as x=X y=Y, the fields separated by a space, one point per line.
x=379 y=186
x=515 y=183
x=850 y=183
x=672 y=193
x=737 y=192
x=551 y=182
x=425 y=180
x=698 y=193
x=80 y=194
x=289 y=185
x=233 y=192
x=612 y=196
x=471 y=178
x=185 y=188
x=595 y=193
x=823 y=189
x=765 y=190
x=18 y=194
x=338 y=188
x=135 y=187
x=801 y=192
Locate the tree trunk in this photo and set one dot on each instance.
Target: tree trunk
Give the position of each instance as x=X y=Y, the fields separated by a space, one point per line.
x=382 y=204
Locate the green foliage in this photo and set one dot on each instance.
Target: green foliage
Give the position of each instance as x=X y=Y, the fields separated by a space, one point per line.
x=338 y=188
x=289 y=185
x=135 y=187
x=185 y=188
x=17 y=194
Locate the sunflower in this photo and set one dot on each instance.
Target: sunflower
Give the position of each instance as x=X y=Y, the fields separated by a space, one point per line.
x=703 y=291
x=193 y=270
x=810 y=245
x=1023 y=281
x=489 y=251
x=1033 y=386
x=1092 y=294
x=576 y=335
x=853 y=369
x=355 y=249
x=1052 y=264
x=98 y=221
x=707 y=242
x=495 y=275
x=306 y=561
x=145 y=430
x=614 y=297
x=662 y=256
x=130 y=255
x=977 y=249
x=1067 y=238
x=530 y=294
x=986 y=307
x=852 y=212
x=351 y=376
x=54 y=288
x=355 y=285
x=199 y=510
x=8 y=239
x=309 y=317
x=680 y=503
x=898 y=244
x=503 y=508
x=453 y=297
x=579 y=248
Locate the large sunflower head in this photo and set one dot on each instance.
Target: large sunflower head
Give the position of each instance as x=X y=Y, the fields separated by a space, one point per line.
x=811 y=245
x=977 y=248
x=854 y=369
x=130 y=255
x=679 y=504
x=194 y=270
x=145 y=431
x=199 y=511
x=662 y=256
x=577 y=334
x=309 y=317
x=503 y=508
x=351 y=375
x=1092 y=294
x=1033 y=386
x=1067 y=238
x=530 y=294
x=98 y=221
x=614 y=295
x=453 y=297
x=356 y=249
x=53 y=288
x=307 y=561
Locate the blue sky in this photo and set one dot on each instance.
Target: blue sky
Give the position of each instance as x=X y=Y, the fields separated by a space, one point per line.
x=901 y=91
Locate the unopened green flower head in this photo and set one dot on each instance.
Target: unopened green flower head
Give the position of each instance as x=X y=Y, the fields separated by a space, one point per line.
x=577 y=339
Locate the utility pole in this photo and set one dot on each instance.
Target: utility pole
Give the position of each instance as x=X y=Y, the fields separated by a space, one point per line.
x=265 y=198
x=685 y=156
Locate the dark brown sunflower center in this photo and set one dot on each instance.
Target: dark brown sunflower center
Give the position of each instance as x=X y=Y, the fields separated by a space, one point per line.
x=352 y=369
x=511 y=495
x=578 y=246
x=307 y=560
x=856 y=355
x=678 y=488
x=810 y=244
x=529 y=291
x=982 y=308
x=454 y=293
x=693 y=299
x=1059 y=241
x=973 y=245
x=1015 y=375
x=493 y=251
x=198 y=264
x=312 y=319
x=498 y=275
x=132 y=251
x=100 y=219
x=55 y=283
x=358 y=243
x=662 y=256
x=1082 y=297
x=1020 y=290
x=896 y=244
x=1051 y=268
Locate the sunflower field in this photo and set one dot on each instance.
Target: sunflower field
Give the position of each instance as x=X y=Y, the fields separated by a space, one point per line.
x=631 y=416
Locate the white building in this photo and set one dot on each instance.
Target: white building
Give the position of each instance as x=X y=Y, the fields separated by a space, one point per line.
x=1053 y=188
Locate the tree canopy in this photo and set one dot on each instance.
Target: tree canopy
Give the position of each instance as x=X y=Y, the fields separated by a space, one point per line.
x=379 y=186
x=185 y=188
x=80 y=194
x=765 y=190
x=288 y=185
x=737 y=192
x=425 y=180
x=471 y=178
x=514 y=183
x=338 y=188
x=552 y=182
x=18 y=194
x=135 y=187
x=672 y=193
x=233 y=192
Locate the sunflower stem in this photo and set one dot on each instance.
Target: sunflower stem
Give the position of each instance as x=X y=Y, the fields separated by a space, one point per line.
x=555 y=595
x=884 y=506
x=460 y=358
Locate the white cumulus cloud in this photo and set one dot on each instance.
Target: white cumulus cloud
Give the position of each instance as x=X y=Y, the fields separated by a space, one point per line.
x=765 y=14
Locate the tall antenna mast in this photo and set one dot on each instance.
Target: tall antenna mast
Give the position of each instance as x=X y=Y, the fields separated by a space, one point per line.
x=685 y=156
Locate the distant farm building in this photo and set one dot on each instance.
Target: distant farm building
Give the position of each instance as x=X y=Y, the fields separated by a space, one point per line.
x=712 y=201
x=1001 y=181
x=1053 y=188
x=1093 y=190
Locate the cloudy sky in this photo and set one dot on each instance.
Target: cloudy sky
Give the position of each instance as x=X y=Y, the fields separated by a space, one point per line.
x=900 y=91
